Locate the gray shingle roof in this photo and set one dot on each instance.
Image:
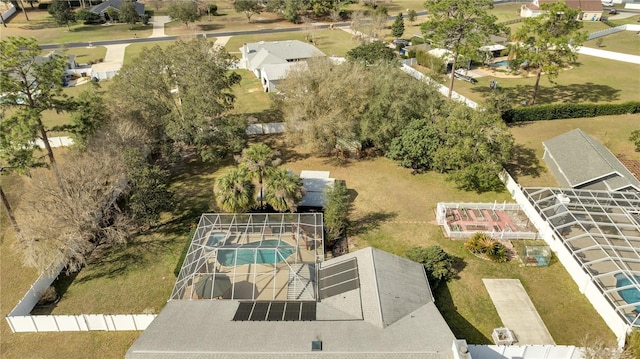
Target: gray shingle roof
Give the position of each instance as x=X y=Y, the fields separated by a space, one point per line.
x=392 y=314
x=98 y=9
x=261 y=53
x=581 y=160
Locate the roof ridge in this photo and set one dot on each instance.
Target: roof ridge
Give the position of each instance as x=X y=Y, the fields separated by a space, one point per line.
x=375 y=283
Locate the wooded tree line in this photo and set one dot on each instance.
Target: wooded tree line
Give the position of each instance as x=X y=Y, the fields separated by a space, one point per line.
x=114 y=181
x=407 y=120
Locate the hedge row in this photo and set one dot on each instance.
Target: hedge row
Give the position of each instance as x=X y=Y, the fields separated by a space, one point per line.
x=569 y=110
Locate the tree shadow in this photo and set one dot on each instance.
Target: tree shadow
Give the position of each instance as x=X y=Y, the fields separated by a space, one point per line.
x=460 y=326
x=524 y=163
x=61 y=284
x=369 y=222
x=584 y=92
x=209 y=27
x=264 y=116
x=458 y=265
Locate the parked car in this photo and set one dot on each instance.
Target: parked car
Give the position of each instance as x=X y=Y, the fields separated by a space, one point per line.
x=401 y=42
x=613 y=11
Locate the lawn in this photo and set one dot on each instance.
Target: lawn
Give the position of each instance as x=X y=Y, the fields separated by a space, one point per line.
x=252 y=101
x=592 y=79
x=331 y=42
x=612 y=131
x=134 y=50
x=626 y=42
x=84 y=54
x=507 y=11
x=42 y=27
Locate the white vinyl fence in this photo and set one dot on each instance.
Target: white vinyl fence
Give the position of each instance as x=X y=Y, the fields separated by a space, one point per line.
x=266 y=128
x=7 y=14
x=79 y=323
x=582 y=279
x=444 y=90
x=20 y=320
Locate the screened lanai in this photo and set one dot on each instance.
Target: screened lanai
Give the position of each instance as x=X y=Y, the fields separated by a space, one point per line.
x=601 y=230
x=252 y=257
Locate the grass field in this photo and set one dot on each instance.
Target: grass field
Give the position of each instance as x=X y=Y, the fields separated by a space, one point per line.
x=134 y=50
x=626 y=42
x=592 y=79
x=44 y=29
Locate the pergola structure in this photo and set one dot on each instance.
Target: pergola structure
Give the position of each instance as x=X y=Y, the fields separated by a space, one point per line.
x=601 y=230
x=253 y=257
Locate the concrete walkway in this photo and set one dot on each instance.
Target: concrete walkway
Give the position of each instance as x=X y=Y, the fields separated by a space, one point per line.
x=222 y=40
x=517 y=312
x=158 y=25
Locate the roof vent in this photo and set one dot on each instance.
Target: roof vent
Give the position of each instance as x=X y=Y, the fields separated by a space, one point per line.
x=563 y=198
x=316 y=345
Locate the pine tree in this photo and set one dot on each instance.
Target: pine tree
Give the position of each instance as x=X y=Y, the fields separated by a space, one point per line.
x=397 y=29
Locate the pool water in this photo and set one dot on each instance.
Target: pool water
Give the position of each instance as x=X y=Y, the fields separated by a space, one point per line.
x=630 y=295
x=267 y=252
x=503 y=63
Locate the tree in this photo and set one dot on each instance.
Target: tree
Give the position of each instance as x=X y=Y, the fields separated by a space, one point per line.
x=64 y=224
x=547 y=43
x=372 y=53
x=259 y=161
x=461 y=26
x=9 y=210
x=234 y=191
x=312 y=98
x=86 y=16
x=412 y=15
x=62 y=13
x=470 y=146
x=29 y=87
x=248 y=7
x=283 y=190
x=149 y=192
x=336 y=211
x=437 y=263
x=128 y=13
x=182 y=94
x=113 y=14
x=635 y=138
x=184 y=11
x=397 y=28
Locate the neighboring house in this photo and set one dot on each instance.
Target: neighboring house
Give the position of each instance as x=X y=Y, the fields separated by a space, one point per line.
x=101 y=9
x=271 y=74
x=590 y=10
x=579 y=161
x=271 y=294
x=70 y=64
x=258 y=55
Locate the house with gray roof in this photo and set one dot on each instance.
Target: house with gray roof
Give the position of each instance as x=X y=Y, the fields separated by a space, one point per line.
x=277 y=57
x=579 y=161
x=365 y=304
x=101 y=9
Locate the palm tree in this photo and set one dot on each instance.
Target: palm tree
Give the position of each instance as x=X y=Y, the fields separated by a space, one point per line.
x=259 y=160
x=283 y=190
x=234 y=191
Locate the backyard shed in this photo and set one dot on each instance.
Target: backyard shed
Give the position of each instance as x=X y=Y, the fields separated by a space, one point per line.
x=578 y=161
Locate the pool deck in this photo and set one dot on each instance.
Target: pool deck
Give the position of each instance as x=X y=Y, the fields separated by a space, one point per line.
x=517 y=311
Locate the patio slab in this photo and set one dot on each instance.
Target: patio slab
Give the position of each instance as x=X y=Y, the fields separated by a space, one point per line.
x=517 y=311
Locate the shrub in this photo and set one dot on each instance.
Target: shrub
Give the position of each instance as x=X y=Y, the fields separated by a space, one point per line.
x=438 y=264
x=435 y=63
x=482 y=243
x=569 y=110
x=213 y=9
x=635 y=138
x=415 y=40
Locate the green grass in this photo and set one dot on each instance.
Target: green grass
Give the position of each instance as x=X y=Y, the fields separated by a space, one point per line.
x=507 y=11
x=134 y=50
x=44 y=29
x=251 y=100
x=612 y=131
x=592 y=79
x=626 y=42
x=85 y=54
x=331 y=42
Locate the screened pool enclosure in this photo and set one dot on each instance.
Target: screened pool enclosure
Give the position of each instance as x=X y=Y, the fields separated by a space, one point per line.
x=253 y=257
x=601 y=230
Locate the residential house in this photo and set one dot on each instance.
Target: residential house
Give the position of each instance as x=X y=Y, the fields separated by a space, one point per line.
x=275 y=58
x=102 y=9
x=590 y=10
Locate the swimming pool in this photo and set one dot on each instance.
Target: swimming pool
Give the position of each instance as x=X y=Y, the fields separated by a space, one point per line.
x=267 y=252
x=503 y=63
x=216 y=238
x=630 y=295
